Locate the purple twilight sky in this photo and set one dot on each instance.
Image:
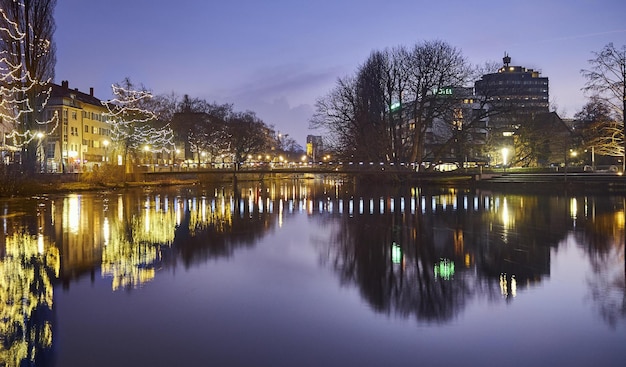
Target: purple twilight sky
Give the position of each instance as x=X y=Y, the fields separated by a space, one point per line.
x=276 y=57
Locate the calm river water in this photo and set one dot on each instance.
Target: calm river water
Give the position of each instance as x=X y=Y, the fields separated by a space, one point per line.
x=312 y=273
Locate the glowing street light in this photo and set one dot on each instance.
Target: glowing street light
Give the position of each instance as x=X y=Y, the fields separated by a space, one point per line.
x=146 y=149
x=106 y=150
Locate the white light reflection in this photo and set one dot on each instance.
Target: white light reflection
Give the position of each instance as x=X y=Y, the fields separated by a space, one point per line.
x=120 y=208
x=40 y=243
x=147 y=218
x=573 y=208
x=71 y=213
x=106 y=231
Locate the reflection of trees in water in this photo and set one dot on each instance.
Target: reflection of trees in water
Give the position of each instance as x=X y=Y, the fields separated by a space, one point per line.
x=604 y=238
x=506 y=239
x=28 y=266
x=392 y=257
x=517 y=237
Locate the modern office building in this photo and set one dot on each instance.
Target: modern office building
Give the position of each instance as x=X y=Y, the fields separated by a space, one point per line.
x=519 y=91
x=515 y=96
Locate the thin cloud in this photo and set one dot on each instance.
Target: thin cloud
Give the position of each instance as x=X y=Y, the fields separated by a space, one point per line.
x=284 y=80
x=580 y=36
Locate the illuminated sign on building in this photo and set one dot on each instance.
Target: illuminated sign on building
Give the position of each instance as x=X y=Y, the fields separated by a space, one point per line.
x=443 y=91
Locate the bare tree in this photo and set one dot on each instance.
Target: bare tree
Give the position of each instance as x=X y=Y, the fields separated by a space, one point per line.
x=433 y=67
x=27 y=60
x=606 y=80
x=335 y=113
x=247 y=135
x=385 y=111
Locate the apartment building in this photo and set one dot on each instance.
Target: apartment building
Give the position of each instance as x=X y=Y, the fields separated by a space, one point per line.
x=81 y=139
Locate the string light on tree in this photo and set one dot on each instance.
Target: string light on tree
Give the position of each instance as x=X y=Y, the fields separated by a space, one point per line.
x=134 y=124
x=27 y=56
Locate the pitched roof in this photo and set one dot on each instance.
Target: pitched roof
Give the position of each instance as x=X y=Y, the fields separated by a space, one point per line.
x=63 y=91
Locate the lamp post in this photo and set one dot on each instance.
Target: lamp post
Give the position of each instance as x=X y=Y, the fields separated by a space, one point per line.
x=146 y=149
x=105 y=143
x=505 y=155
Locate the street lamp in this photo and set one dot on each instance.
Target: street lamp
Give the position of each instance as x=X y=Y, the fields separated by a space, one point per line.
x=505 y=155
x=146 y=149
x=106 y=150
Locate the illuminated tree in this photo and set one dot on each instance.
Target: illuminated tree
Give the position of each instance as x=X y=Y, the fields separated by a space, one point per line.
x=606 y=81
x=134 y=125
x=601 y=129
x=27 y=60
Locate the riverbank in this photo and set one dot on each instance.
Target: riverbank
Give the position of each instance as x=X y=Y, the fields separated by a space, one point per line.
x=502 y=182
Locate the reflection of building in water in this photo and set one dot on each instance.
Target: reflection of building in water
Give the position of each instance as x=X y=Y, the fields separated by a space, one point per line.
x=107 y=231
x=522 y=235
x=28 y=266
x=77 y=228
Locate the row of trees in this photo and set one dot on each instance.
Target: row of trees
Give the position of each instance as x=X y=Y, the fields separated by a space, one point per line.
x=396 y=98
x=167 y=122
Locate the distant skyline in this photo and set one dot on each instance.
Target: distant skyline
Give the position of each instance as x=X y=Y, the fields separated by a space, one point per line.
x=278 y=57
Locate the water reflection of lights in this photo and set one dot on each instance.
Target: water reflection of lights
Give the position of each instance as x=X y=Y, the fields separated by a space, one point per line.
x=27 y=269
x=444 y=269
x=508 y=287
x=396 y=254
x=120 y=208
x=573 y=208
x=620 y=219
x=71 y=213
x=508 y=220
x=106 y=231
